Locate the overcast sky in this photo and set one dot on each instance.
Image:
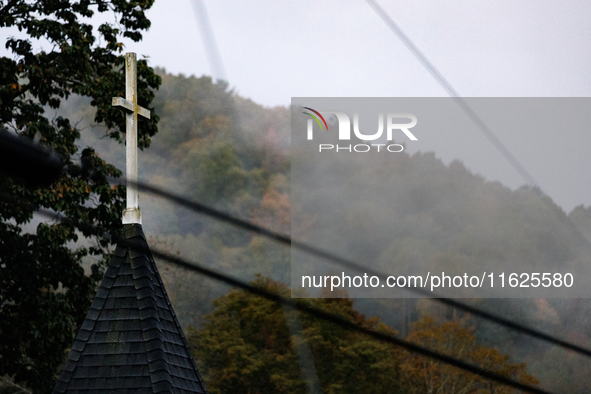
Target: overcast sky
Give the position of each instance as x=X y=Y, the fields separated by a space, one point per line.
x=274 y=50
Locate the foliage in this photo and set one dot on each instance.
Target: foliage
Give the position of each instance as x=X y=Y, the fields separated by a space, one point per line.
x=424 y=375
x=44 y=290
x=250 y=345
x=429 y=215
x=247 y=345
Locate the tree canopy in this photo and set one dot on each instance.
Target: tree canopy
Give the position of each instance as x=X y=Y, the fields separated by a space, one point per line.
x=232 y=153
x=443 y=213
x=249 y=344
x=44 y=290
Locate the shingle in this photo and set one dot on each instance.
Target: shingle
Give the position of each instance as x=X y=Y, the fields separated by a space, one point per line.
x=97 y=337
x=123 y=280
x=137 y=359
x=122 y=292
x=83 y=372
x=126 y=269
x=138 y=254
x=88 y=324
x=101 y=326
x=141 y=271
x=162 y=386
x=139 y=370
x=157 y=354
x=74 y=356
x=102 y=292
x=144 y=282
x=76 y=383
x=147 y=303
x=119 y=252
x=92 y=314
x=131 y=341
x=137 y=347
x=97 y=303
x=60 y=387
x=108 y=282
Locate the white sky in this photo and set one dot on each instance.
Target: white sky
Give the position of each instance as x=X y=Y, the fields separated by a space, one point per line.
x=275 y=50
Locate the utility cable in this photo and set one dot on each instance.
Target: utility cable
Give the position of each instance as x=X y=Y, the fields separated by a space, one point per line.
x=484 y=129
x=287 y=240
x=488 y=133
x=213 y=54
x=335 y=319
x=318 y=313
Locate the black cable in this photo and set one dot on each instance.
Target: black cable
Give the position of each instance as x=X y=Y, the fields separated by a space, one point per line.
x=484 y=129
x=286 y=240
x=198 y=207
x=341 y=261
x=317 y=313
x=453 y=93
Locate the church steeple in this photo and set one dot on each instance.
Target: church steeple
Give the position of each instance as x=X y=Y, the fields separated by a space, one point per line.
x=131 y=340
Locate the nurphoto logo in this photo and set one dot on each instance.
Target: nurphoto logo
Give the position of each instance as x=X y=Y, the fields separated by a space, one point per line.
x=395 y=122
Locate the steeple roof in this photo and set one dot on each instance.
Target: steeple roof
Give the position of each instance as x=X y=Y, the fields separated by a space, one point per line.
x=131 y=340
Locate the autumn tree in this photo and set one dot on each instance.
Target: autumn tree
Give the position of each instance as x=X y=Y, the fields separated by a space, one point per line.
x=247 y=346
x=44 y=291
x=425 y=375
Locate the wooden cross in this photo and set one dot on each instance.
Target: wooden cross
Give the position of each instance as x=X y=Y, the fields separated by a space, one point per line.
x=132 y=212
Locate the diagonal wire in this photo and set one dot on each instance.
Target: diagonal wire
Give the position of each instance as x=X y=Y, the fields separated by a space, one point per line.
x=320 y=314
x=488 y=133
x=286 y=240
x=484 y=129
x=213 y=54
x=315 y=312
x=303 y=353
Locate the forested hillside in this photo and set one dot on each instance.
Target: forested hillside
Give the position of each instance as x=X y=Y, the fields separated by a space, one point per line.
x=218 y=148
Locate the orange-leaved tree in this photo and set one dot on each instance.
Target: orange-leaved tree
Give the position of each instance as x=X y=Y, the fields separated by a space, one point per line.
x=425 y=375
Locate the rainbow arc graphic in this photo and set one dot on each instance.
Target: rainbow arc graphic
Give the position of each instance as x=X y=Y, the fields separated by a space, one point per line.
x=315 y=118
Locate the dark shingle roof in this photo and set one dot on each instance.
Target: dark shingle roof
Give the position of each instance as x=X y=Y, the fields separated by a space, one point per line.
x=131 y=340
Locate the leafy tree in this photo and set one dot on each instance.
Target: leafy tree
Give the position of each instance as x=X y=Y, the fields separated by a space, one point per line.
x=222 y=175
x=44 y=291
x=424 y=375
x=246 y=346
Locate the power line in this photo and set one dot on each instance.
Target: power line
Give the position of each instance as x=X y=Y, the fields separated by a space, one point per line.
x=213 y=54
x=286 y=240
x=484 y=129
x=323 y=254
x=318 y=313
x=488 y=133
